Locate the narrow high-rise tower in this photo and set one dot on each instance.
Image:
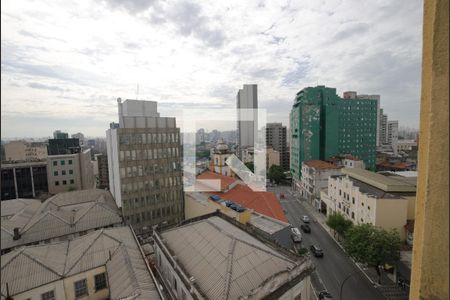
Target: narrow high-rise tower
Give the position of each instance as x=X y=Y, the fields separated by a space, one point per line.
x=247 y=98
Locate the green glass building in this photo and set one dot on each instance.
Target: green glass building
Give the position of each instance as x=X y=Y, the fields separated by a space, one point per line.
x=323 y=124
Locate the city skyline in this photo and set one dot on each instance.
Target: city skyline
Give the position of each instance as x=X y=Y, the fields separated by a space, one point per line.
x=64 y=65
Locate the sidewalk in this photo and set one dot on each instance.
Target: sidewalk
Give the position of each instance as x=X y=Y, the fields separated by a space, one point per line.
x=388 y=288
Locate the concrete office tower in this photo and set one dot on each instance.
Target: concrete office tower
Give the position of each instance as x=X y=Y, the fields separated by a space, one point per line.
x=58 y=134
x=247 y=98
x=383 y=129
x=392 y=135
x=276 y=137
x=144 y=165
x=324 y=125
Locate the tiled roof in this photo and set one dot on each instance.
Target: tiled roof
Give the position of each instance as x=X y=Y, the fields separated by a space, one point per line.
x=60 y=215
x=225 y=181
x=265 y=203
x=228 y=263
x=30 y=267
x=320 y=164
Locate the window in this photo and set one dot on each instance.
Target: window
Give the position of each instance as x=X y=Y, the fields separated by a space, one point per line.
x=353 y=200
x=70 y=172
x=63 y=172
x=55 y=173
x=100 y=281
x=353 y=215
x=80 y=288
x=64 y=182
x=56 y=182
x=70 y=161
x=50 y=295
x=63 y=163
x=72 y=181
x=55 y=163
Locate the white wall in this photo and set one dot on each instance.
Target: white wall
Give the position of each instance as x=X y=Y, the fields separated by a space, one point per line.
x=112 y=149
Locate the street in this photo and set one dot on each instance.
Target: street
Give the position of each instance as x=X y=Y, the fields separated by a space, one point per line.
x=335 y=266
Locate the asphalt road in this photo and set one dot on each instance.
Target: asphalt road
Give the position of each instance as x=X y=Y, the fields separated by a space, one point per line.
x=335 y=266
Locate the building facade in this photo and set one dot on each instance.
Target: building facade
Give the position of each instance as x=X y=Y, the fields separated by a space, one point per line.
x=103 y=175
x=58 y=134
x=247 y=98
x=276 y=135
x=315 y=174
x=69 y=172
x=324 y=125
x=144 y=165
x=366 y=197
x=219 y=155
x=273 y=158
x=25 y=151
x=24 y=180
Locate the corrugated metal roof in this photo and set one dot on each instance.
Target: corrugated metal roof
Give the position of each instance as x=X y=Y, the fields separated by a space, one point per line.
x=225 y=261
x=12 y=207
x=62 y=214
x=127 y=273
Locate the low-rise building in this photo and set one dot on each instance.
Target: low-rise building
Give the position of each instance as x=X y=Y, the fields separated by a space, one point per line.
x=26 y=179
x=347 y=161
x=68 y=172
x=216 y=257
x=60 y=217
x=272 y=158
x=366 y=197
x=314 y=178
x=25 y=151
x=104 y=264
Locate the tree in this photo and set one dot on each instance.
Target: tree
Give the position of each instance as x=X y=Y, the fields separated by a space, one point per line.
x=276 y=174
x=251 y=166
x=339 y=223
x=373 y=246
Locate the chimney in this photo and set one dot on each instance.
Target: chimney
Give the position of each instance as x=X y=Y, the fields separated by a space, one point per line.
x=16 y=234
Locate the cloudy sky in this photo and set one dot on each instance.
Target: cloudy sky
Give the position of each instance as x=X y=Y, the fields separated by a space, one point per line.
x=63 y=63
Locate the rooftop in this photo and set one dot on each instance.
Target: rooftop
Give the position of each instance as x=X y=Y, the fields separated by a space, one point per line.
x=228 y=262
x=14 y=206
x=60 y=215
x=225 y=181
x=320 y=164
x=127 y=272
x=384 y=183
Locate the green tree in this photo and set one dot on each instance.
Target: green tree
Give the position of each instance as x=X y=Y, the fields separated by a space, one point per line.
x=339 y=223
x=251 y=166
x=373 y=246
x=276 y=174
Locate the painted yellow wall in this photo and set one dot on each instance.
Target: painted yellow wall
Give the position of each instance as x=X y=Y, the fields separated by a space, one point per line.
x=430 y=272
x=391 y=214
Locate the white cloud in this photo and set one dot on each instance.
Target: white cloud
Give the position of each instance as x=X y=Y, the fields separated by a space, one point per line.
x=71 y=60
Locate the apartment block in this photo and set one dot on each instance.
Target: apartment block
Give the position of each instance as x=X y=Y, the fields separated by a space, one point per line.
x=69 y=172
x=367 y=197
x=246 y=98
x=276 y=137
x=315 y=174
x=25 y=151
x=324 y=125
x=103 y=175
x=24 y=180
x=144 y=165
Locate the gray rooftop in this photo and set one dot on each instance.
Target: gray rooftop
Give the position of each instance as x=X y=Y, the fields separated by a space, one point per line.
x=228 y=263
x=14 y=206
x=60 y=215
x=128 y=276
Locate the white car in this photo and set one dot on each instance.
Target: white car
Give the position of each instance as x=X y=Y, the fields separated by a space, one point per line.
x=305 y=219
x=296 y=235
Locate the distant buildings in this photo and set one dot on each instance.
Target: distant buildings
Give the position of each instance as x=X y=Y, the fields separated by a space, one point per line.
x=58 y=134
x=103 y=175
x=324 y=125
x=80 y=137
x=25 y=151
x=24 y=180
x=144 y=165
x=388 y=134
x=276 y=138
x=69 y=172
x=272 y=158
x=60 y=217
x=366 y=197
x=104 y=264
x=63 y=146
x=247 y=98
x=227 y=261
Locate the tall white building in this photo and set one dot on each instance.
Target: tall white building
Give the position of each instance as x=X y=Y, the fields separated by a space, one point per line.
x=247 y=98
x=392 y=135
x=144 y=165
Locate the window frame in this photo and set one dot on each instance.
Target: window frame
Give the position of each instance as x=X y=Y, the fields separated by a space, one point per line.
x=49 y=295
x=76 y=289
x=105 y=281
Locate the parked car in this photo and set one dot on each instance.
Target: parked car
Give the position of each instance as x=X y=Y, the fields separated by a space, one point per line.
x=305 y=228
x=316 y=251
x=305 y=219
x=296 y=235
x=324 y=295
